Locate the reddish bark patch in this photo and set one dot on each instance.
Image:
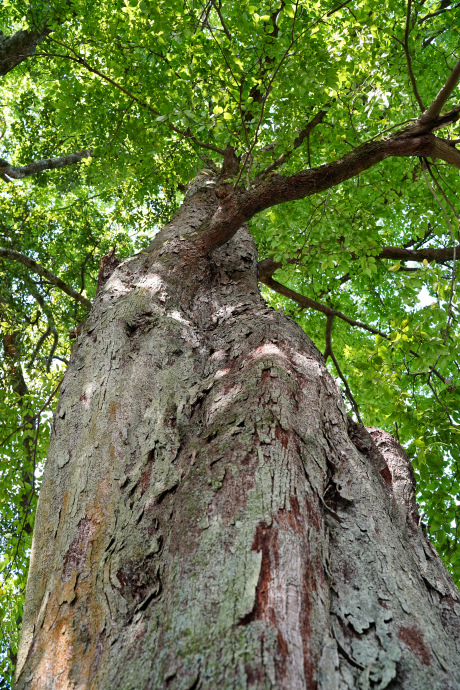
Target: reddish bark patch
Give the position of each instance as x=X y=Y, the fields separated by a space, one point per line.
x=294 y=501
x=83 y=398
x=254 y=675
x=145 y=478
x=113 y=407
x=75 y=557
x=314 y=517
x=282 y=436
x=265 y=375
x=292 y=517
x=284 y=653
x=308 y=660
x=413 y=638
x=386 y=474
x=147 y=472
x=266 y=541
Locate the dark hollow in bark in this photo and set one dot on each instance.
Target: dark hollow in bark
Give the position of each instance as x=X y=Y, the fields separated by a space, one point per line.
x=209 y=517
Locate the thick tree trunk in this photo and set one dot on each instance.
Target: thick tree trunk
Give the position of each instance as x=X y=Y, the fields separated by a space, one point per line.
x=209 y=517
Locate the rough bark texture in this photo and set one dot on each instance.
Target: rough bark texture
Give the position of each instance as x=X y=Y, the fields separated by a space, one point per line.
x=209 y=517
x=18 y=47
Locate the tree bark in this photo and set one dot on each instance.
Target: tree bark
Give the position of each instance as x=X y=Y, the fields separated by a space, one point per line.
x=209 y=517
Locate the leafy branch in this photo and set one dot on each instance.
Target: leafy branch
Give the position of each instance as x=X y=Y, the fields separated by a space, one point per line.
x=45 y=273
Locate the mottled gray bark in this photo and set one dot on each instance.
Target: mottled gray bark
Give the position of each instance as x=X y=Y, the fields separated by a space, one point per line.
x=209 y=518
x=18 y=47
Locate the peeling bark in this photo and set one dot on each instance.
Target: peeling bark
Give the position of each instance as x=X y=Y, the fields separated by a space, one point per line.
x=209 y=517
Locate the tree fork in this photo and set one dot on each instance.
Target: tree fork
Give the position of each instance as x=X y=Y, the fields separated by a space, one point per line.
x=209 y=517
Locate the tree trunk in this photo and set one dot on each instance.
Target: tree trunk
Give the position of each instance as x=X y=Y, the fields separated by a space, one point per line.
x=209 y=518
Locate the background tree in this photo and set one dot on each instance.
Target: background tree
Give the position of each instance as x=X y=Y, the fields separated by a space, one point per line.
x=296 y=101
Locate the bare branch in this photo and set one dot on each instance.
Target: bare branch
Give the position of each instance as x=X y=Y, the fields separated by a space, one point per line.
x=51 y=330
x=222 y=21
x=40 y=270
x=454 y=248
x=308 y=303
x=39 y=344
x=18 y=173
x=329 y=352
x=337 y=8
x=328 y=348
x=34 y=417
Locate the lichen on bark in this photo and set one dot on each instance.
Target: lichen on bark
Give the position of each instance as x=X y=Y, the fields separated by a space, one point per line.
x=209 y=516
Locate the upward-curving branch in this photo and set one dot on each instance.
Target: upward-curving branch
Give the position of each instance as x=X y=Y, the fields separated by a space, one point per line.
x=41 y=271
x=437 y=105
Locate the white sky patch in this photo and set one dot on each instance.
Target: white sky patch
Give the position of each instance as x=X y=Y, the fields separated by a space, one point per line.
x=424 y=298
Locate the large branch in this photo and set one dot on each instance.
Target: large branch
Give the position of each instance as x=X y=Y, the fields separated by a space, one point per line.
x=18 y=172
x=41 y=271
x=268 y=266
x=18 y=47
x=437 y=105
x=429 y=254
x=239 y=207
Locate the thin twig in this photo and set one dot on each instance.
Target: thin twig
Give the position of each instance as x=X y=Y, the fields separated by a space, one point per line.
x=308 y=303
x=453 y=274
x=81 y=61
x=298 y=141
x=409 y=59
x=33 y=417
x=222 y=21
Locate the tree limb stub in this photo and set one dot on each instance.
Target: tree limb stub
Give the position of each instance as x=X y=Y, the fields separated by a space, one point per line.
x=40 y=270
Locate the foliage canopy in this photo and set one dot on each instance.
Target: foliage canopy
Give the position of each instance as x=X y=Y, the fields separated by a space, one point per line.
x=108 y=109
